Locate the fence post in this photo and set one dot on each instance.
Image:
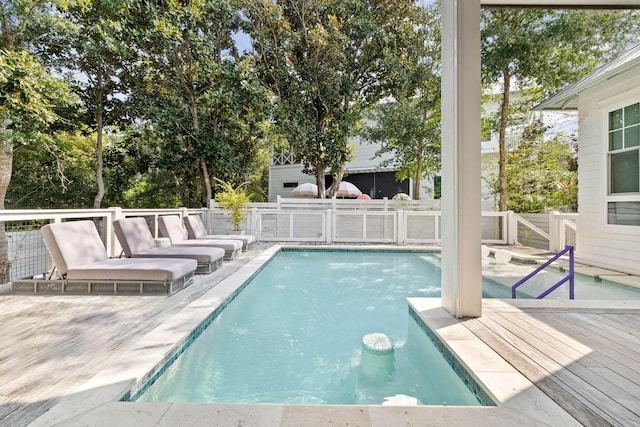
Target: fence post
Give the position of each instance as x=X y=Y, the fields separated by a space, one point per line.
x=205 y=219
x=553 y=232
x=253 y=221
x=329 y=219
x=400 y=228
x=111 y=242
x=183 y=211
x=512 y=228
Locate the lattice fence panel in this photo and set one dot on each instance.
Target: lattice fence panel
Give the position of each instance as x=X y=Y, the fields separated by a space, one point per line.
x=24 y=251
x=274 y=226
x=381 y=228
x=348 y=227
x=491 y=228
x=421 y=227
x=308 y=227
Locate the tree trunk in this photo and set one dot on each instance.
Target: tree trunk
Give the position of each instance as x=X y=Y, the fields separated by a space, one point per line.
x=204 y=169
x=337 y=179
x=99 y=163
x=99 y=149
x=502 y=142
x=206 y=181
x=320 y=179
x=6 y=165
x=418 y=176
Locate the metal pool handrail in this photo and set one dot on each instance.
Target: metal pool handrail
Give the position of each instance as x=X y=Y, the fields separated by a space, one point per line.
x=569 y=277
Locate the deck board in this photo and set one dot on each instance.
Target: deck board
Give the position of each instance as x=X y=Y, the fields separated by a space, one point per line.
x=585 y=356
x=586 y=359
x=51 y=345
x=575 y=405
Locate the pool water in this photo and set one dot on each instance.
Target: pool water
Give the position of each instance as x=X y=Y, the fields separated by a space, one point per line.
x=294 y=335
x=499 y=277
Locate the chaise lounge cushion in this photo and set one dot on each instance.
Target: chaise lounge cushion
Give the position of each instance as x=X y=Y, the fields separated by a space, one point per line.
x=134 y=235
x=196 y=230
x=137 y=269
x=137 y=242
x=79 y=254
x=171 y=227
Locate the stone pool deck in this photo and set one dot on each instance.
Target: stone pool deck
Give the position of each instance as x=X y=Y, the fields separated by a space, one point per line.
x=64 y=358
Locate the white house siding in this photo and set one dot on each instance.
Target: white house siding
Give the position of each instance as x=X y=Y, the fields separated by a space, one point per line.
x=363 y=162
x=599 y=243
x=282 y=174
x=364 y=156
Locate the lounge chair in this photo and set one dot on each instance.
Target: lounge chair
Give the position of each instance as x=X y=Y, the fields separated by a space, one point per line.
x=84 y=266
x=170 y=226
x=137 y=242
x=196 y=230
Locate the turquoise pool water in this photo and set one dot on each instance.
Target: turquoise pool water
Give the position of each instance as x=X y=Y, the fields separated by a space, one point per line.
x=294 y=335
x=498 y=279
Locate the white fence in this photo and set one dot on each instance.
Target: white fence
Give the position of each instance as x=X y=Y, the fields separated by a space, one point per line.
x=288 y=220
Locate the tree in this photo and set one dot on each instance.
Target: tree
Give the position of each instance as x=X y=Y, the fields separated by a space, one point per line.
x=325 y=61
x=409 y=127
x=29 y=94
x=542 y=173
x=29 y=97
x=92 y=53
x=53 y=171
x=203 y=101
x=536 y=52
x=411 y=133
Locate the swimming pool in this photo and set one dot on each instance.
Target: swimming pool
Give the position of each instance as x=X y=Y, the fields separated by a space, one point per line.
x=499 y=277
x=294 y=335
x=234 y=335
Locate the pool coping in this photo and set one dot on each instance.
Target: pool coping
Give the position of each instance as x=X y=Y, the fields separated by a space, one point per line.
x=99 y=400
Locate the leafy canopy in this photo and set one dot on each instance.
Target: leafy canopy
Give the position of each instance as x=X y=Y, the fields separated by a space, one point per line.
x=325 y=61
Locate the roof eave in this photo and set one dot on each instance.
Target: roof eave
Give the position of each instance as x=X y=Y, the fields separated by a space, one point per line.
x=559 y=103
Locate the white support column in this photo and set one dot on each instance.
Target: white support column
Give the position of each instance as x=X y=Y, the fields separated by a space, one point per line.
x=461 y=200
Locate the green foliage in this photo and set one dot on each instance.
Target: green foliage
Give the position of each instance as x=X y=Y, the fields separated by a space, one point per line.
x=409 y=127
x=325 y=61
x=204 y=103
x=411 y=132
x=133 y=178
x=535 y=52
x=542 y=174
x=29 y=100
x=29 y=96
x=234 y=200
x=53 y=171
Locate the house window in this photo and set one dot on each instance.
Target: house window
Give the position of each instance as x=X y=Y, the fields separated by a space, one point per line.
x=624 y=213
x=624 y=165
x=289 y=184
x=624 y=149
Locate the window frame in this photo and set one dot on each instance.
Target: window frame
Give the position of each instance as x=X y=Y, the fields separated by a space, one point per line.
x=610 y=196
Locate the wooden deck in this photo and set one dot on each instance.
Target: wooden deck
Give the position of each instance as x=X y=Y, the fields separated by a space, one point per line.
x=51 y=345
x=583 y=355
